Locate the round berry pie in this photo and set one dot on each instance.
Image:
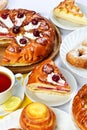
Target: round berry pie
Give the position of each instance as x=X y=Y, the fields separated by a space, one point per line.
x=47 y=78
x=27 y=36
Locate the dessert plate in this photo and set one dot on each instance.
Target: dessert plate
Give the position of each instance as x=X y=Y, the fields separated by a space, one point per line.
x=18 y=92
x=71 y=41
x=12 y=120
x=65 y=24
x=51 y=99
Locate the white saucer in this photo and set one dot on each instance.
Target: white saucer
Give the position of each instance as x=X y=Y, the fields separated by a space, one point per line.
x=50 y=99
x=18 y=92
x=65 y=24
x=64 y=121
x=71 y=41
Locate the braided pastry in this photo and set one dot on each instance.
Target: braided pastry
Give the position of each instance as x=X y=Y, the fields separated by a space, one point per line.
x=79 y=108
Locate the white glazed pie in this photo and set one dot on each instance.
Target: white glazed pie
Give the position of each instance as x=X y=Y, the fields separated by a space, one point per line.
x=29 y=37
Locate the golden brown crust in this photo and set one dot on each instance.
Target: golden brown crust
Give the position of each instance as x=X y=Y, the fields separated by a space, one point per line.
x=36 y=32
x=37 y=116
x=38 y=79
x=78 y=56
x=15 y=129
x=79 y=108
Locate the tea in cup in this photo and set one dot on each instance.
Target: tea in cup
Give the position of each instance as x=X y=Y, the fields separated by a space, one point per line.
x=7 y=83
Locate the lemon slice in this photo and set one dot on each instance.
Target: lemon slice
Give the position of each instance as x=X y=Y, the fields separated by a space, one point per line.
x=12 y=104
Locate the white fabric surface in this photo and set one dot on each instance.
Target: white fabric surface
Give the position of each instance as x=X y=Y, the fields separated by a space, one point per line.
x=44 y=7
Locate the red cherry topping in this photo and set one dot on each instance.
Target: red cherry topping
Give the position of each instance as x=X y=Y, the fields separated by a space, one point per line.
x=55 y=77
x=4 y=15
x=20 y=15
x=34 y=21
x=23 y=41
x=36 y=33
x=16 y=29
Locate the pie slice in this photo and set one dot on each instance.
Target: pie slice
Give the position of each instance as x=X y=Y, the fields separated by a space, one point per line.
x=69 y=11
x=3 y=4
x=47 y=78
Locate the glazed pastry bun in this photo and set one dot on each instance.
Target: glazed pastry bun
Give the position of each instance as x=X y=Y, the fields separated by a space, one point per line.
x=37 y=116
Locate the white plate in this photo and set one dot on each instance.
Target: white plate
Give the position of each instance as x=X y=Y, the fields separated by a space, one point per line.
x=64 y=121
x=19 y=92
x=65 y=24
x=71 y=41
x=50 y=99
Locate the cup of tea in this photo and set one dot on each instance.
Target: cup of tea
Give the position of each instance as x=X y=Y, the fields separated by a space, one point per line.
x=7 y=83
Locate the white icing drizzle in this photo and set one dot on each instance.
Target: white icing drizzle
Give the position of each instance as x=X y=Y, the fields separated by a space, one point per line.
x=29 y=35
x=83 y=48
x=3 y=30
x=7 y=22
x=19 y=21
x=31 y=26
x=18 y=39
x=60 y=81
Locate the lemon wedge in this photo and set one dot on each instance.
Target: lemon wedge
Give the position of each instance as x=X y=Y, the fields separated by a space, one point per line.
x=12 y=104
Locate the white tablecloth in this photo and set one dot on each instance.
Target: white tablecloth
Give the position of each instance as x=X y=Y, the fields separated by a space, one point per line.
x=44 y=7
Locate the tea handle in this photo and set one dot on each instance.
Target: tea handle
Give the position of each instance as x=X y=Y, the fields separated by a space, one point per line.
x=19 y=78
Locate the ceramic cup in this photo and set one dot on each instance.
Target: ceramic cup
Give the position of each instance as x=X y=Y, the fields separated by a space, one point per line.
x=7 y=83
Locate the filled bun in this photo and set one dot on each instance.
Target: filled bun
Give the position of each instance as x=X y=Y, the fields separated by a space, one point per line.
x=37 y=116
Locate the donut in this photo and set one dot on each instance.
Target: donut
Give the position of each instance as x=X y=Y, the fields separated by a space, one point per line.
x=79 y=108
x=27 y=36
x=78 y=56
